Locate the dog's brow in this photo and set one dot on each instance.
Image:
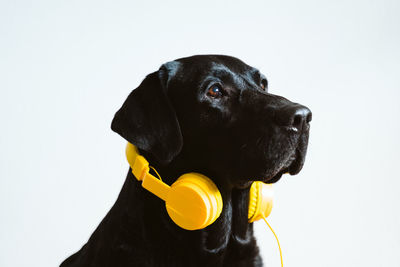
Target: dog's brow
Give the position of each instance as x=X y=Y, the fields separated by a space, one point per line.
x=221 y=69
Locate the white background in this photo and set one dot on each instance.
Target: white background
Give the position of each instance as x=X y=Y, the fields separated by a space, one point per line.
x=67 y=66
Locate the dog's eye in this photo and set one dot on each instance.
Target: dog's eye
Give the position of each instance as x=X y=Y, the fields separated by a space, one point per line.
x=264 y=84
x=215 y=91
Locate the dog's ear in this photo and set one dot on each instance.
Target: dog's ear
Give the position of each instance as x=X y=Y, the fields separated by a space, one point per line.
x=147 y=118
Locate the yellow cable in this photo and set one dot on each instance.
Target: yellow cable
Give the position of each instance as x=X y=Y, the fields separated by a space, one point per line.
x=276 y=237
x=156 y=173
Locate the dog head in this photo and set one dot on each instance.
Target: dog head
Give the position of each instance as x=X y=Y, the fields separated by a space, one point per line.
x=215 y=114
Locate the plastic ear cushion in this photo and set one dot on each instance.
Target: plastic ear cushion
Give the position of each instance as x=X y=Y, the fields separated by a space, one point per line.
x=194 y=201
x=253 y=197
x=260 y=201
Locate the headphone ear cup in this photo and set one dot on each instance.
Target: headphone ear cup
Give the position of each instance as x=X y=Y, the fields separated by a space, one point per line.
x=194 y=201
x=260 y=201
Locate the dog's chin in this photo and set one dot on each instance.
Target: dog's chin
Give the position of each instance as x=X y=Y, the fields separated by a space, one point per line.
x=276 y=177
x=293 y=167
x=269 y=178
x=291 y=164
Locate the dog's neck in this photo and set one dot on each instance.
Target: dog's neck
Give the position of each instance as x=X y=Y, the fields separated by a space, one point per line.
x=231 y=228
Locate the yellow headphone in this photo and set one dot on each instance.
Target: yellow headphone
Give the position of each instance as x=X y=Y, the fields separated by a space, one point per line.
x=193 y=201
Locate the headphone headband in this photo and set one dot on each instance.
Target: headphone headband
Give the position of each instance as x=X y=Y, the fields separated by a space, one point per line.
x=140 y=169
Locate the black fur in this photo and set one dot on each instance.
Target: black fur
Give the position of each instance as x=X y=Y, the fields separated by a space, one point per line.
x=236 y=137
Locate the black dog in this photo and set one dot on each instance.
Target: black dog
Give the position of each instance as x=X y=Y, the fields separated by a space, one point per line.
x=208 y=114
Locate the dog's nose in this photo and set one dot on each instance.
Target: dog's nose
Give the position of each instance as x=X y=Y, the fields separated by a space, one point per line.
x=293 y=116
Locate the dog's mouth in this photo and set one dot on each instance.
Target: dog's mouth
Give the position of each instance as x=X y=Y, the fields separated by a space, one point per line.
x=293 y=166
x=271 y=170
x=276 y=178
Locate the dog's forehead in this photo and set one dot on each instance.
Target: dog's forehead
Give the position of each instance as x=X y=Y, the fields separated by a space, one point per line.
x=222 y=70
x=219 y=66
x=214 y=61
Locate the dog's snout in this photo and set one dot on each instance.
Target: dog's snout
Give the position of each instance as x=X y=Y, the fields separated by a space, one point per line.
x=293 y=116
